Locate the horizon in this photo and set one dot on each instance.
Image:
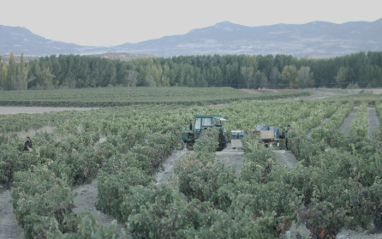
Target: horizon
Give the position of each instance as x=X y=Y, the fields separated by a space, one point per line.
x=89 y=23
x=186 y=32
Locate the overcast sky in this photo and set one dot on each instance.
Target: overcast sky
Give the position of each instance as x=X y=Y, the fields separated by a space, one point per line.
x=114 y=22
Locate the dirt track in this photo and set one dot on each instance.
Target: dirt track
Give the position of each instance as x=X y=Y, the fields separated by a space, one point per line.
x=165 y=175
x=9 y=228
x=345 y=127
x=231 y=157
x=374 y=122
x=86 y=200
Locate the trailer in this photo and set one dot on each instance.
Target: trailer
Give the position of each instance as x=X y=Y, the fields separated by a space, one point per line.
x=269 y=134
x=236 y=137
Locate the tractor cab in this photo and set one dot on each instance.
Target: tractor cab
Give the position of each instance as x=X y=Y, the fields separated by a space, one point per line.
x=207 y=121
x=202 y=122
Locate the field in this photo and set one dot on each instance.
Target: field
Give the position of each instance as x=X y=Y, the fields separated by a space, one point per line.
x=122 y=96
x=119 y=163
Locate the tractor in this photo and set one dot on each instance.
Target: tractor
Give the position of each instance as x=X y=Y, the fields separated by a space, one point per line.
x=192 y=132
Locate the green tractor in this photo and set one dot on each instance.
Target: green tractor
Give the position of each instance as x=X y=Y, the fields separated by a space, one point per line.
x=192 y=132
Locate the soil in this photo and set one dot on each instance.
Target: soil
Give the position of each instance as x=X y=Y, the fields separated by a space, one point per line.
x=286 y=158
x=86 y=200
x=345 y=127
x=374 y=122
x=231 y=157
x=9 y=228
x=165 y=175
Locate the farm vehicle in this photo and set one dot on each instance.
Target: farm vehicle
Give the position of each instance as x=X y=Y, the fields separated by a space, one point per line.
x=268 y=135
x=192 y=132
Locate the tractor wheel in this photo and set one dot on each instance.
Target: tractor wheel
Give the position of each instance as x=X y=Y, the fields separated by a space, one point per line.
x=180 y=145
x=223 y=141
x=190 y=146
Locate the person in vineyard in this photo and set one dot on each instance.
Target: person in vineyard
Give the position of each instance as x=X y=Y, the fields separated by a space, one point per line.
x=28 y=144
x=286 y=137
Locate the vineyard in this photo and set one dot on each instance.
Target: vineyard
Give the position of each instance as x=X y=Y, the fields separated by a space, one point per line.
x=123 y=96
x=152 y=191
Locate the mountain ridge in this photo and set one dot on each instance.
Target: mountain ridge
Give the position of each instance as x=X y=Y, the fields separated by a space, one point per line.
x=318 y=39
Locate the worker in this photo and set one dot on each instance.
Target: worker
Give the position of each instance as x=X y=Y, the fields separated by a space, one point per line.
x=286 y=137
x=28 y=144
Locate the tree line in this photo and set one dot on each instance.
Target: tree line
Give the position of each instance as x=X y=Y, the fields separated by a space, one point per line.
x=238 y=71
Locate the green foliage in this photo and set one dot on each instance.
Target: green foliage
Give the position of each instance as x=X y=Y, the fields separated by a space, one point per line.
x=331 y=127
x=112 y=187
x=159 y=215
x=238 y=71
x=304 y=148
x=359 y=126
x=39 y=195
x=258 y=160
x=289 y=75
x=206 y=145
x=344 y=76
x=137 y=140
x=125 y=96
x=201 y=181
x=13 y=159
x=322 y=218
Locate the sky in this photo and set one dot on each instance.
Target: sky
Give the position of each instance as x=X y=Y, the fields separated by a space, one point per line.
x=114 y=22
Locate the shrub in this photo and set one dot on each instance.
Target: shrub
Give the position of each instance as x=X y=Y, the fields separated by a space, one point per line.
x=201 y=181
x=112 y=188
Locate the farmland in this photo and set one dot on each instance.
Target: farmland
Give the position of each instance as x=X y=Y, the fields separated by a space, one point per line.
x=127 y=153
x=123 y=96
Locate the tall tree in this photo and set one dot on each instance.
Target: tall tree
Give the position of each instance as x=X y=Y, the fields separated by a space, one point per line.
x=305 y=77
x=247 y=73
x=274 y=78
x=12 y=71
x=45 y=78
x=3 y=76
x=345 y=76
x=261 y=80
x=20 y=82
x=289 y=77
x=376 y=76
x=265 y=64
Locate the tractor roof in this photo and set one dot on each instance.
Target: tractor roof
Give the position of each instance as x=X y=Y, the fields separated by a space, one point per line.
x=208 y=116
x=219 y=117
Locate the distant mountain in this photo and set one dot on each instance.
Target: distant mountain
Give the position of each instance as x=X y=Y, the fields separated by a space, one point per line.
x=21 y=40
x=314 y=39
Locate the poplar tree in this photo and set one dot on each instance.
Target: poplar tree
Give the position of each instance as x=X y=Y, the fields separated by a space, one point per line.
x=3 y=76
x=11 y=75
x=289 y=76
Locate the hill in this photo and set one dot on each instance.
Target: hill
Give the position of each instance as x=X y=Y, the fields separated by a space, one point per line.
x=315 y=39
